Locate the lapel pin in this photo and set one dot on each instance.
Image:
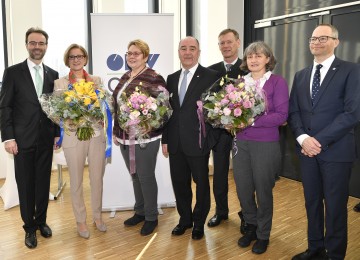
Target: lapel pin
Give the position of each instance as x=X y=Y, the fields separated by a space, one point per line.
x=333 y=68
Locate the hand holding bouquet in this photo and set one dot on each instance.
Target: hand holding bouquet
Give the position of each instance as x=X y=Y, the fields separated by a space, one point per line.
x=233 y=104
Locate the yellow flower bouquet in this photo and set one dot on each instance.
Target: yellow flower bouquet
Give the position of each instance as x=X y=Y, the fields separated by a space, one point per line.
x=83 y=108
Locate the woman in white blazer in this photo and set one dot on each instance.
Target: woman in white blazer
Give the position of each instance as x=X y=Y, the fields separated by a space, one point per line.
x=77 y=151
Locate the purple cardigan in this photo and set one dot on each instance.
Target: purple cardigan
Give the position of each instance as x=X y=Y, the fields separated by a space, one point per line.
x=266 y=127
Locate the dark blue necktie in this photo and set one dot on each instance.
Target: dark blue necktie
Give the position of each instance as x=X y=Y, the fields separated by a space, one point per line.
x=316 y=82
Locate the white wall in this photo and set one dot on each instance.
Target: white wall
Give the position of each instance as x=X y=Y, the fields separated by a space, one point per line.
x=21 y=15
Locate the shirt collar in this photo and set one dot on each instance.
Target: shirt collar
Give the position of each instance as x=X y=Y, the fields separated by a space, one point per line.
x=31 y=64
x=326 y=63
x=191 y=70
x=266 y=76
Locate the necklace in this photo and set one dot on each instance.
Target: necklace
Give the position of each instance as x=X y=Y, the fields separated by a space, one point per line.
x=132 y=77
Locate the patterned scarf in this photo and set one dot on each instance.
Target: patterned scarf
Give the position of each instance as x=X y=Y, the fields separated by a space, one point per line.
x=72 y=77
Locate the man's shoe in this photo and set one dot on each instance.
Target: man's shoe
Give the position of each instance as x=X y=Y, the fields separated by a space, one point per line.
x=197 y=233
x=216 y=220
x=180 y=230
x=134 y=220
x=260 y=246
x=357 y=207
x=248 y=237
x=308 y=255
x=148 y=227
x=31 y=240
x=45 y=230
x=243 y=224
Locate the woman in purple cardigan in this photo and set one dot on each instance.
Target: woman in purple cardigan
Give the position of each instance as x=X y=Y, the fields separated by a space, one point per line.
x=258 y=156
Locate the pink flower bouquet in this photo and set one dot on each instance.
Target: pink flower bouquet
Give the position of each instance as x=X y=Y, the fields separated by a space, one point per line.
x=232 y=104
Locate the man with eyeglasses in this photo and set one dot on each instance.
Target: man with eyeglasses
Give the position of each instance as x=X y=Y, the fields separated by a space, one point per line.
x=229 y=44
x=28 y=134
x=324 y=109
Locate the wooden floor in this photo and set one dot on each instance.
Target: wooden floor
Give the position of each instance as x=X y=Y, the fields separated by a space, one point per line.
x=288 y=235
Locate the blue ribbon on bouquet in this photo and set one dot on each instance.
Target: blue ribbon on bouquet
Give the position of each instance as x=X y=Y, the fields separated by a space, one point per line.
x=59 y=142
x=107 y=124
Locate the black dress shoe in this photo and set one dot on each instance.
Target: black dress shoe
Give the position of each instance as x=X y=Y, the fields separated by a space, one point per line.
x=308 y=255
x=216 y=219
x=243 y=224
x=134 y=220
x=260 y=246
x=248 y=237
x=30 y=240
x=357 y=207
x=45 y=230
x=180 y=229
x=197 y=233
x=148 y=227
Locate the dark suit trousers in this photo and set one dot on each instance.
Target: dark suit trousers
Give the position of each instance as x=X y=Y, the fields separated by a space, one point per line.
x=182 y=168
x=326 y=185
x=32 y=173
x=221 y=155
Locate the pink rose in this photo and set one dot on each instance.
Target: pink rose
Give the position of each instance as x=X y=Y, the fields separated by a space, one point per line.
x=247 y=104
x=226 y=111
x=237 y=112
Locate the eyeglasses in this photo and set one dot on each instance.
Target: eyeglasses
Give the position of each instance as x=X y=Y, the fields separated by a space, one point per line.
x=79 y=57
x=135 y=54
x=40 y=44
x=322 y=39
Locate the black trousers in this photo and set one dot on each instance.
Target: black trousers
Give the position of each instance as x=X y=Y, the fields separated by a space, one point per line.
x=221 y=155
x=183 y=169
x=32 y=174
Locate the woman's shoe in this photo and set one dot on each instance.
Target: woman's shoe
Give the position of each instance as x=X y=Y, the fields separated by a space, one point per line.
x=148 y=227
x=100 y=225
x=84 y=233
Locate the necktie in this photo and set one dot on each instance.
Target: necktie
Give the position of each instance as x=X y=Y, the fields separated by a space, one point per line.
x=183 y=87
x=38 y=81
x=316 y=82
x=228 y=67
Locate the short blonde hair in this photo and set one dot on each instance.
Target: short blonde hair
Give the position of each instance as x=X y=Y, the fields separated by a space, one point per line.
x=71 y=47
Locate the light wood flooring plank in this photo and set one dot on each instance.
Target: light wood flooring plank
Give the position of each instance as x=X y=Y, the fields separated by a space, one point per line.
x=288 y=236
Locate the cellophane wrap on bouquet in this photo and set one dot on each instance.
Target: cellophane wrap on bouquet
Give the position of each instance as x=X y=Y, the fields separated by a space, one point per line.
x=83 y=108
x=232 y=104
x=140 y=111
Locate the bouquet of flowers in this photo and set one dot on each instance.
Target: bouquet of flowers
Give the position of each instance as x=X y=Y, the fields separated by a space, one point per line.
x=143 y=110
x=82 y=108
x=232 y=104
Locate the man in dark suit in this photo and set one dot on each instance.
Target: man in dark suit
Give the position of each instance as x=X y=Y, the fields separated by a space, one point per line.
x=184 y=139
x=324 y=109
x=229 y=44
x=28 y=134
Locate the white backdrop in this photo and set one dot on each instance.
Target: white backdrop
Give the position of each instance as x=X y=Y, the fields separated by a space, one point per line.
x=110 y=35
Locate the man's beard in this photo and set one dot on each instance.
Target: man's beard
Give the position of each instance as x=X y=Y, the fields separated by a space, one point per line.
x=37 y=56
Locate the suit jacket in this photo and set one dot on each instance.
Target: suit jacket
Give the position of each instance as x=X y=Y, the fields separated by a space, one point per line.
x=21 y=115
x=334 y=113
x=183 y=125
x=70 y=139
x=233 y=73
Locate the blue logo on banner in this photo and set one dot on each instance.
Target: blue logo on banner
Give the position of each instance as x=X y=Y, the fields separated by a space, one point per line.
x=115 y=62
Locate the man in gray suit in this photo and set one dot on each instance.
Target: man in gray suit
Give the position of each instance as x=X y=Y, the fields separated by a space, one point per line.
x=28 y=134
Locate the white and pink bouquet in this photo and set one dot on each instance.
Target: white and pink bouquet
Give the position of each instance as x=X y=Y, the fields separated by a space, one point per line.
x=143 y=110
x=232 y=104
